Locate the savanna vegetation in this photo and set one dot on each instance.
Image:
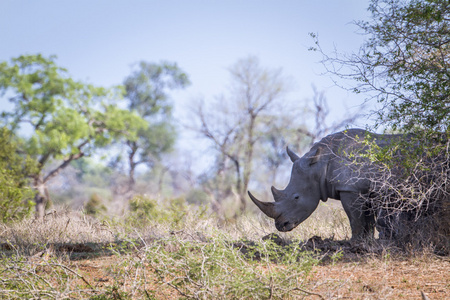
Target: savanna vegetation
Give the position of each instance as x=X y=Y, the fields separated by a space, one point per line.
x=121 y=213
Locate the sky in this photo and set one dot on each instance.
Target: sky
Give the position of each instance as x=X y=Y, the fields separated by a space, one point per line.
x=99 y=41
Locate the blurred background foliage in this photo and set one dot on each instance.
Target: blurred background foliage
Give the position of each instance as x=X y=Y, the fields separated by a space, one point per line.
x=111 y=152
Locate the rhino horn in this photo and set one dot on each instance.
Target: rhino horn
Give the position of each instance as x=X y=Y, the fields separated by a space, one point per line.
x=292 y=155
x=277 y=194
x=268 y=208
x=424 y=297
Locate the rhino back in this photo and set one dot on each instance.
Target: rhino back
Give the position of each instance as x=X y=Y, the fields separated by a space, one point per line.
x=347 y=169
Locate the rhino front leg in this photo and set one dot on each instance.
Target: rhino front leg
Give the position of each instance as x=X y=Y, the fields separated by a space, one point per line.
x=362 y=220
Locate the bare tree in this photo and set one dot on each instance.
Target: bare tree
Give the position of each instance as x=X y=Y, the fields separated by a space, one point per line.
x=321 y=114
x=233 y=122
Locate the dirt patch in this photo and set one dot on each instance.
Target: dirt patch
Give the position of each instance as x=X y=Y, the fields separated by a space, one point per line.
x=378 y=279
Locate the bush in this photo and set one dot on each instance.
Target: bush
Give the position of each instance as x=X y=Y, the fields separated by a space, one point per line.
x=144 y=210
x=197 y=196
x=410 y=191
x=94 y=206
x=219 y=270
x=16 y=195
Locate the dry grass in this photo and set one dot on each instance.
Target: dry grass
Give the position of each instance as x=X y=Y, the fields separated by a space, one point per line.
x=69 y=255
x=58 y=227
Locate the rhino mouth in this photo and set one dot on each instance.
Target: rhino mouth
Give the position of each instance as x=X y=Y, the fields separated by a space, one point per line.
x=285 y=226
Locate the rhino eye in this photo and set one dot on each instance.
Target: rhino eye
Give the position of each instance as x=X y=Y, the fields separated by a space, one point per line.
x=296 y=197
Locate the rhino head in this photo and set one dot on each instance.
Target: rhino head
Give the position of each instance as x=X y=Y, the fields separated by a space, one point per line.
x=301 y=197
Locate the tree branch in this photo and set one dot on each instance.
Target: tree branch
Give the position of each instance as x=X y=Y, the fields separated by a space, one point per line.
x=66 y=162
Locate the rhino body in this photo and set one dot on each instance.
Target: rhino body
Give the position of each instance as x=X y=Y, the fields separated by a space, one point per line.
x=335 y=168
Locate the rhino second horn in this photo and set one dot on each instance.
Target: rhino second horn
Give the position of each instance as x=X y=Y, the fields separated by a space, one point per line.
x=277 y=194
x=268 y=208
x=292 y=155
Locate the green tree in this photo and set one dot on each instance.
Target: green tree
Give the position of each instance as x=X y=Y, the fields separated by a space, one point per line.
x=63 y=119
x=16 y=196
x=404 y=63
x=147 y=94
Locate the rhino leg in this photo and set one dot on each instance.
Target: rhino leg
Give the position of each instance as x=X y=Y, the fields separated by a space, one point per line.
x=386 y=222
x=362 y=219
x=370 y=222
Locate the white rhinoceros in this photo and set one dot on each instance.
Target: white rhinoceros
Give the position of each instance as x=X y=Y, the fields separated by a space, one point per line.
x=336 y=168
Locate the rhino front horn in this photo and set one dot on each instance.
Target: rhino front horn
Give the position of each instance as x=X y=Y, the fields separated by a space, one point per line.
x=268 y=208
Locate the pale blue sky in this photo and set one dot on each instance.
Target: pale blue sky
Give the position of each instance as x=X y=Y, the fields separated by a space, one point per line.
x=99 y=40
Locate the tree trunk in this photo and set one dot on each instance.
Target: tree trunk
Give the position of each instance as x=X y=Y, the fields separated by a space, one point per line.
x=243 y=203
x=133 y=164
x=240 y=192
x=161 y=179
x=41 y=197
x=248 y=163
x=131 y=181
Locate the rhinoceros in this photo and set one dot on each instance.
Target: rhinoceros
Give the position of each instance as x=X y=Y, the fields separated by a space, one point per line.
x=328 y=170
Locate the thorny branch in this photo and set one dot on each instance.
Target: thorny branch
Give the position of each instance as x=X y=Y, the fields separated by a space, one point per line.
x=409 y=182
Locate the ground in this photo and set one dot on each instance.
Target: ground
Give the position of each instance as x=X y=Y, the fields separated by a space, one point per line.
x=350 y=276
x=71 y=256
x=376 y=279
x=373 y=278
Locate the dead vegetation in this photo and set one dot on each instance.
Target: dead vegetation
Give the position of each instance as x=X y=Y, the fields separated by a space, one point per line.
x=69 y=255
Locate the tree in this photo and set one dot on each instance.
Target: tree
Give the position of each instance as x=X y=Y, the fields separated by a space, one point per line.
x=63 y=119
x=234 y=123
x=16 y=196
x=405 y=65
x=146 y=93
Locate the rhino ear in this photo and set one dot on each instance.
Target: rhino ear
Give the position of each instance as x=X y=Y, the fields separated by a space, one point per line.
x=315 y=158
x=292 y=155
x=311 y=159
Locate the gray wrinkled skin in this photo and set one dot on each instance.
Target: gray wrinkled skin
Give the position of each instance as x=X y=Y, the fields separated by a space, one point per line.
x=328 y=170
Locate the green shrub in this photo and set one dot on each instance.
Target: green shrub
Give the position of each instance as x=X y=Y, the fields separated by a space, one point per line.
x=94 y=206
x=220 y=269
x=143 y=211
x=197 y=196
x=16 y=195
